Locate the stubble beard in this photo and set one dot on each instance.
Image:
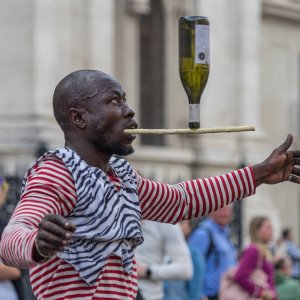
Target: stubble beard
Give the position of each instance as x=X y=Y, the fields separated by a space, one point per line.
x=113 y=148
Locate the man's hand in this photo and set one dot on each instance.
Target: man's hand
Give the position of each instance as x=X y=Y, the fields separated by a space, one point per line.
x=280 y=166
x=141 y=270
x=54 y=233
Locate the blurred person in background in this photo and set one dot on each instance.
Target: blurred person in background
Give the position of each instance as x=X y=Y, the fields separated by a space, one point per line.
x=286 y=287
x=257 y=256
x=4 y=187
x=7 y=274
x=289 y=247
x=212 y=239
x=164 y=255
x=191 y=289
x=7 y=288
x=139 y=296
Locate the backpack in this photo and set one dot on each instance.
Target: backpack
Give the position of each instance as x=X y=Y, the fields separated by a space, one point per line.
x=211 y=247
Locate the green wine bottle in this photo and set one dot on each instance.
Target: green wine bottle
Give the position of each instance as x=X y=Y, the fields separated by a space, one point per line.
x=194 y=62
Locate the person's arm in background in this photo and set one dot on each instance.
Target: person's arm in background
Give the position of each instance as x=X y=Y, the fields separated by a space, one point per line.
x=8 y=273
x=175 y=248
x=196 y=283
x=246 y=267
x=293 y=251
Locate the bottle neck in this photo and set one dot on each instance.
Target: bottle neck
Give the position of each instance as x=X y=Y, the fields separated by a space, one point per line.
x=194 y=116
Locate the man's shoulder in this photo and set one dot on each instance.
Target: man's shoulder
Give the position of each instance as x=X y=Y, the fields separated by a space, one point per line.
x=47 y=164
x=49 y=161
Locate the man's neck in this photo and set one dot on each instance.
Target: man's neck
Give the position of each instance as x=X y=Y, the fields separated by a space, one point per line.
x=91 y=155
x=222 y=226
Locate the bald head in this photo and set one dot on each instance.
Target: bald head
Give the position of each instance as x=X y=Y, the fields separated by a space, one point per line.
x=75 y=88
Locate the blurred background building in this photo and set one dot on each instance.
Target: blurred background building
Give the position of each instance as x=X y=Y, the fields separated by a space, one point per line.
x=254 y=79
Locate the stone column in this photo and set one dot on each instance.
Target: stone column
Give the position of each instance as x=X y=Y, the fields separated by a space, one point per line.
x=249 y=29
x=69 y=35
x=16 y=74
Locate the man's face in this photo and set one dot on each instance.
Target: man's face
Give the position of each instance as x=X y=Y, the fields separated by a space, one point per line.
x=222 y=216
x=107 y=116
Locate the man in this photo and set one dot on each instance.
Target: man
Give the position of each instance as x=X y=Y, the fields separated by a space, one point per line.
x=212 y=240
x=7 y=274
x=286 y=287
x=78 y=220
x=292 y=250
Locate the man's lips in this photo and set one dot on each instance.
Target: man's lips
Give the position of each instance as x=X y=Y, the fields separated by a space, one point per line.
x=132 y=125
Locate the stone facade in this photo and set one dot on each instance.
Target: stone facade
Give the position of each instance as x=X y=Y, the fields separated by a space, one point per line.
x=254 y=79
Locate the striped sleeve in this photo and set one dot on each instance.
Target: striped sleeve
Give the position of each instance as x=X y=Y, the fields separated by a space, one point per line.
x=49 y=190
x=191 y=199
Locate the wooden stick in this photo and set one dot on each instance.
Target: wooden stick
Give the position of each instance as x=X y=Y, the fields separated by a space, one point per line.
x=191 y=131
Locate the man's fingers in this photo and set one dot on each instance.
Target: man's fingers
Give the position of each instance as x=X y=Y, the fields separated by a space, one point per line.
x=45 y=248
x=55 y=229
x=52 y=239
x=54 y=233
x=61 y=221
x=296 y=154
x=294 y=178
x=297 y=180
x=295 y=175
x=296 y=171
x=286 y=145
x=70 y=226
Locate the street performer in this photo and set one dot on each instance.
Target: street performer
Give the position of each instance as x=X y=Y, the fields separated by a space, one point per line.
x=78 y=221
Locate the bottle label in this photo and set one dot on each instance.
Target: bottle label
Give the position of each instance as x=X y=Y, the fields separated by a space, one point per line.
x=194 y=112
x=202 y=44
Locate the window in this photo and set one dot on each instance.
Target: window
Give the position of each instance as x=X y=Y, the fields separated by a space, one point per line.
x=152 y=72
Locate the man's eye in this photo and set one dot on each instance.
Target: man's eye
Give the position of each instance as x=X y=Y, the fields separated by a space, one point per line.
x=115 y=101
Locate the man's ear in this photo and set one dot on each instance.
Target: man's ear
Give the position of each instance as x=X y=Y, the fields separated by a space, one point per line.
x=77 y=117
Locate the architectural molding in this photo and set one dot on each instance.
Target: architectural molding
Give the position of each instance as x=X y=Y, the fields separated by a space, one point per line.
x=139 y=7
x=286 y=9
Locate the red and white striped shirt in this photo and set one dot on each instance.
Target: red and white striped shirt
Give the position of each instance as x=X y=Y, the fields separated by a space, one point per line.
x=50 y=190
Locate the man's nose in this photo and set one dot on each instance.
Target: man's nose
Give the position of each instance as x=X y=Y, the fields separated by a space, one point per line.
x=128 y=112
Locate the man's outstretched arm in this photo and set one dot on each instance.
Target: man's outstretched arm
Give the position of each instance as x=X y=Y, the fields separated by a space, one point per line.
x=195 y=198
